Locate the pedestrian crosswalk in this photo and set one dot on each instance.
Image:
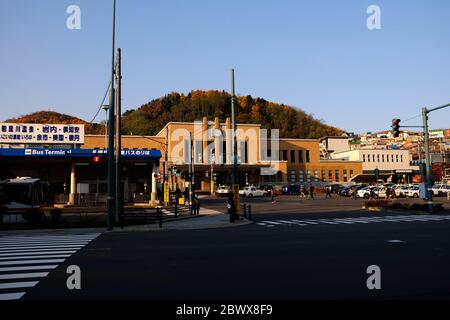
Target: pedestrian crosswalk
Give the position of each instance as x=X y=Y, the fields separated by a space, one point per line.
x=25 y=260
x=351 y=221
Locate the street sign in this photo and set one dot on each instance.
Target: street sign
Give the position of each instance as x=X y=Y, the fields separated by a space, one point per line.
x=166 y=192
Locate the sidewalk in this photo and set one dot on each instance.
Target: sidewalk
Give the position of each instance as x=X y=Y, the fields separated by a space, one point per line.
x=207 y=219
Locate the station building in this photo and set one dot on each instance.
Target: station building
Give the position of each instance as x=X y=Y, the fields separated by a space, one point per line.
x=74 y=168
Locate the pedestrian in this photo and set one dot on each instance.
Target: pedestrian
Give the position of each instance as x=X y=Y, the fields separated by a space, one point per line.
x=311 y=192
x=272 y=195
x=371 y=194
x=388 y=193
x=302 y=192
x=328 y=192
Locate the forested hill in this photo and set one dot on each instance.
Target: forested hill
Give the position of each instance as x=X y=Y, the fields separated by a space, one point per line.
x=151 y=117
x=293 y=123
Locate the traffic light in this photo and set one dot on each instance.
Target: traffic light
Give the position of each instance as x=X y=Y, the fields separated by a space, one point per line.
x=96 y=159
x=396 y=128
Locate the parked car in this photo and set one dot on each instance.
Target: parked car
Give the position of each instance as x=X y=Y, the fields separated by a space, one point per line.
x=440 y=190
x=335 y=187
x=222 y=191
x=401 y=191
x=250 y=192
x=414 y=192
x=291 y=189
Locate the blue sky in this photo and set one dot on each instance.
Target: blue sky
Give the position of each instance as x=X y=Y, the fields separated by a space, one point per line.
x=316 y=55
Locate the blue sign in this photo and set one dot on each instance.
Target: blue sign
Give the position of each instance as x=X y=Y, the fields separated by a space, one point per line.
x=76 y=153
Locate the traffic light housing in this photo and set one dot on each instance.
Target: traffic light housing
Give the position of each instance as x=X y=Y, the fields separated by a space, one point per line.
x=96 y=160
x=396 y=128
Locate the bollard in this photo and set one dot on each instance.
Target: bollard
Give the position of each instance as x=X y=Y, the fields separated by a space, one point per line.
x=176 y=206
x=160 y=217
x=250 y=212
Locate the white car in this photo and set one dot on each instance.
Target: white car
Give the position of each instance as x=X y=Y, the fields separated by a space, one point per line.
x=250 y=192
x=414 y=192
x=440 y=190
x=222 y=191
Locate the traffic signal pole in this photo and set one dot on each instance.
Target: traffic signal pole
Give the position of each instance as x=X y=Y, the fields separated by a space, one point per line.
x=428 y=184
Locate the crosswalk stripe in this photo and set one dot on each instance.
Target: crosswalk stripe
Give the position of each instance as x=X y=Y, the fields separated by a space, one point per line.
x=292 y=222
x=28 y=268
x=18 y=262
x=28 y=242
x=23 y=275
x=37 y=250
x=305 y=221
x=11 y=296
x=35 y=257
x=34 y=253
x=34 y=239
x=41 y=247
x=353 y=220
x=15 y=285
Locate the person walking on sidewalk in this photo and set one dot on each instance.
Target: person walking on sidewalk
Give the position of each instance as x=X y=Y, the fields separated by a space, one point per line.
x=328 y=192
x=311 y=192
x=302 y=192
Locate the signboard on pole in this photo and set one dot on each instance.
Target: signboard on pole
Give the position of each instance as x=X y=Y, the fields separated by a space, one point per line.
x=166 y=192
x=41 y=133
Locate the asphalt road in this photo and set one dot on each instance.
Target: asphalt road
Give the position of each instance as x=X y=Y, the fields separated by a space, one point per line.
x=322 y=258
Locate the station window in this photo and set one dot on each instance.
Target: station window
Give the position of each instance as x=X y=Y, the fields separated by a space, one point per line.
x=300 y=155
x=351 y=174
x=382 y=158
x=308 y=175
x=344 y=174
x=364 y=158
x=330 y=175
x=396 y=158
x=293 y=176
x=401 y=158
x=301 y=176
x=336 y=175
x=307 y=156
x=292 y=155
x=323 y=176
x=285 y=155
x=316 y=176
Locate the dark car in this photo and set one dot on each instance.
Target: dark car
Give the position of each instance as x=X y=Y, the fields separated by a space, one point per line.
x=336 y=187
x=291 y=189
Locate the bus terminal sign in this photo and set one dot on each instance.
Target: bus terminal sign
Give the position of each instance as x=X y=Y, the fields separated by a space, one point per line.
x=30 y=133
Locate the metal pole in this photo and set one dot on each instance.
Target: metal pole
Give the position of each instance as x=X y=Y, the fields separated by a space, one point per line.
x=428 y=185
x=166 y=156
x=233 y=130
x=190 y=173
x=110 y=200
x=119 y=203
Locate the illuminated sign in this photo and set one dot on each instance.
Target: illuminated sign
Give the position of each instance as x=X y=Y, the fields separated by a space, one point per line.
x=30 y=133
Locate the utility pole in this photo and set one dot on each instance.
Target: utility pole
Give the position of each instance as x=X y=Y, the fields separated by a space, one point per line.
x=111 y=185
x=191 y=173
x=233 y=130
x=119 y=203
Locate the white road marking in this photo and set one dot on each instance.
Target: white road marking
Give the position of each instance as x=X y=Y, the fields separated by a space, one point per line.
x=18 y=262
x=34 y=253
x=41 y=247
x=23 y=275
x=14 y=285
x=35 y=257
x=11 y=296
x=43 y=267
